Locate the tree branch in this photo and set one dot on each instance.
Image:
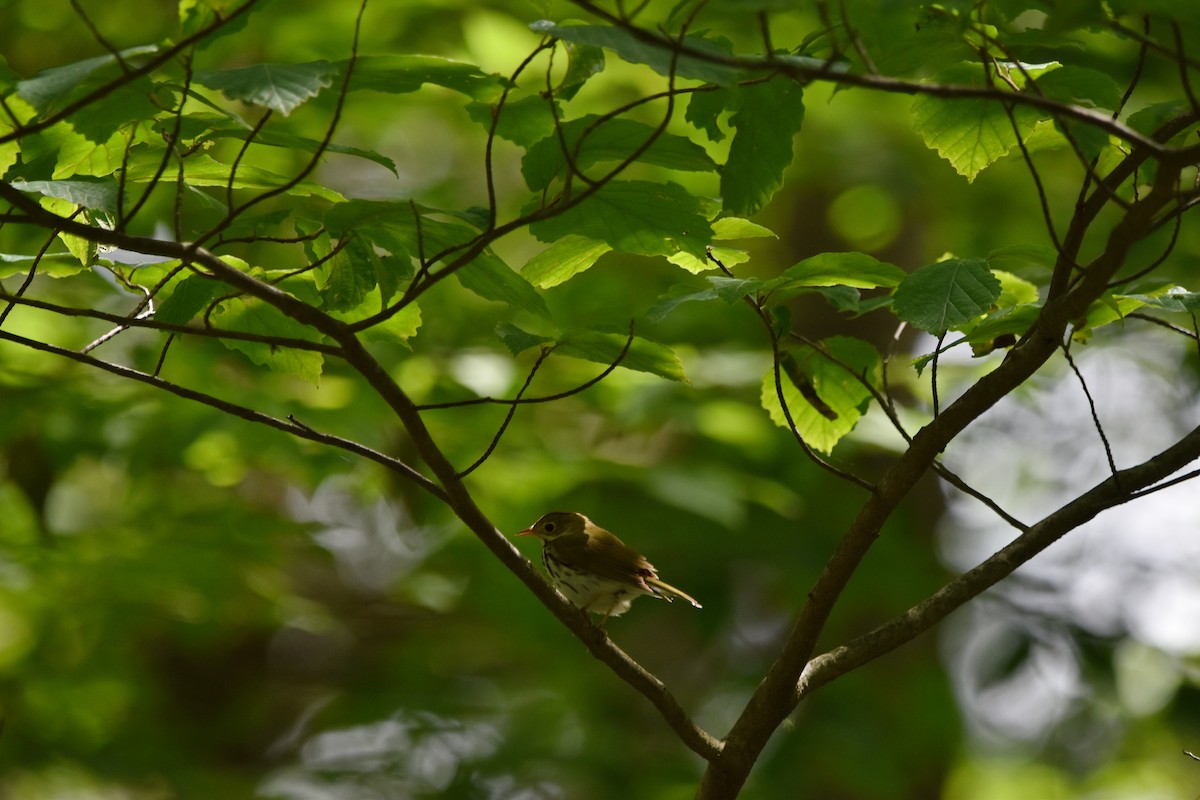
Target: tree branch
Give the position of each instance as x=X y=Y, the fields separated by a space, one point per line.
x=775 y=696
x=233 y=409
x=1121 y=487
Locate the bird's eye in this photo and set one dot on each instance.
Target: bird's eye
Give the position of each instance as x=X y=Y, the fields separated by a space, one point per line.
x=549 y=527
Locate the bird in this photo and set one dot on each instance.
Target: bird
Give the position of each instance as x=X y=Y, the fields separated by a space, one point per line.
x=594 y=569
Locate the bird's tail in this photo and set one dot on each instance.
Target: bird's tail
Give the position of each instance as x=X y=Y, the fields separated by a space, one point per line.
x=668 y=592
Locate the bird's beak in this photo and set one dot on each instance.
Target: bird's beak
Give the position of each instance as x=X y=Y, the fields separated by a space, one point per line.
x=526 y=532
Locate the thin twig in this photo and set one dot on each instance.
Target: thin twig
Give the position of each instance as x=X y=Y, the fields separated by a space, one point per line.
x=512 y=409
x=543 y=399
x=1112 y=464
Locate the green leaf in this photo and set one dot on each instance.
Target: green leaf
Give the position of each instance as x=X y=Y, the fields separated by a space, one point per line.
x=491 y=279
x=583 y=61
x=52 y=87
x=838 y=391
x=1009 y=322
x=281 y=87
x=945 y=295
x=400 y=74
x=196 y=15
x=610 y=140
x=768 y=117
x=397 y=328
x=517 y=340
x=728 y=256
x=1109 y=308
x=1025 y=254
x=705 y=108
x=636 y=51
x=99 y=195
x=100 y=121
x=522 y=122
x=634 y=217
x=846 y=299
x=1080 y=86
x=254 y=316
x=1174 y=298
x=1149 y=119
x=202 y=170
x=8 y=77
x=732 y=290
x=563 y=260
x=969 y=133
x=673 y=299
x=188 y=298
x=1014 y=291
x=83 y=249
x=604 y=348
x=737 y=228
x=839 y=269
x=305 y=144
x=352 y=271
x=52 y=265
x=79 y=155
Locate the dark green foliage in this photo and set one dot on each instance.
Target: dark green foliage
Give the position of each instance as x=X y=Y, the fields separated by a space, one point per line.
x=250 y=423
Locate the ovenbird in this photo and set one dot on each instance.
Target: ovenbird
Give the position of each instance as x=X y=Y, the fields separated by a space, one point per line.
x=593 y=568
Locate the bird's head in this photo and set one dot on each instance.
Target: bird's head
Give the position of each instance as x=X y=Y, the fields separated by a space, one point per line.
x=555 y=525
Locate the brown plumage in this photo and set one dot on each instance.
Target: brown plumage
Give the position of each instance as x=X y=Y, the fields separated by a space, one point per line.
x=593 y=568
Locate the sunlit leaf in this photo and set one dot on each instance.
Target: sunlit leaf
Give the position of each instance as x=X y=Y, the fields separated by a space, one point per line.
x=842 y=394
x=202 y=170
x=737 y=228
x=839 y=269
x=728 y=256
x=1014 y=291
x=563 y=260
x=397 y=328
x=969 y=133
x=254 y=316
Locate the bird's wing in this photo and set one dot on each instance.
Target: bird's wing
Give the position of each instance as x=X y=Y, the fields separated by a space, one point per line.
x=608 y=557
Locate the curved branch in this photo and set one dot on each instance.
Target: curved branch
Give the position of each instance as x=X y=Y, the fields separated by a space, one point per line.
x=463 y=505
x=150 y=323
x=1122 y=487
x=835 y=73
x=518 y=400
x=233 y=409
x=775 y=697
x=127 y=77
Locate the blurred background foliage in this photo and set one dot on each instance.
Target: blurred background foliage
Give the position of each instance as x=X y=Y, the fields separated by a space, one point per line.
x=195 y=607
